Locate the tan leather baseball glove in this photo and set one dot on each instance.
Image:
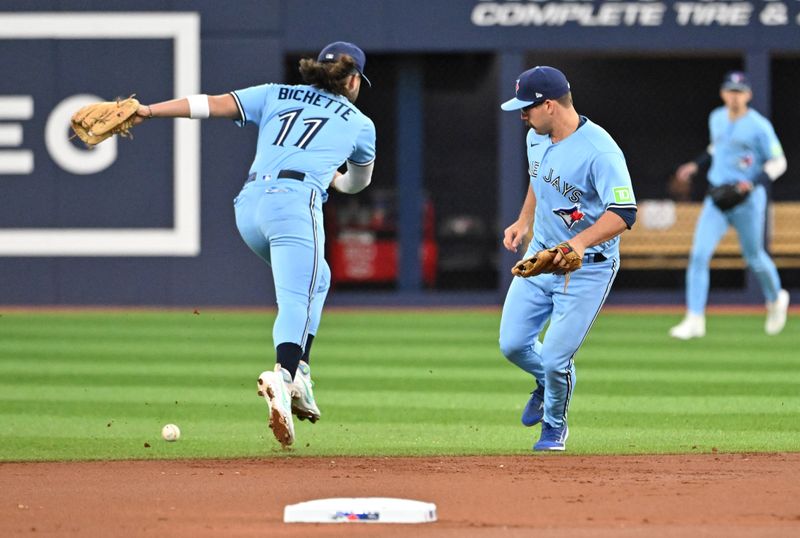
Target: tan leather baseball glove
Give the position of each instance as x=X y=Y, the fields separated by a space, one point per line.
x=99 y=121
x=543 y=262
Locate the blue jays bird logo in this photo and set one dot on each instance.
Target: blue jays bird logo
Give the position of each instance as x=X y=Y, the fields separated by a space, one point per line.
x=569 y=215
x=746 y=161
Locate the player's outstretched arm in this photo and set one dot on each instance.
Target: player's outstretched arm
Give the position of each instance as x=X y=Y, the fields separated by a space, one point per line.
x=194 y=106
x=97 y=122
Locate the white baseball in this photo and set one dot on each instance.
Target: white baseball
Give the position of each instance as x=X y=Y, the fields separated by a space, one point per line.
x=171 y=432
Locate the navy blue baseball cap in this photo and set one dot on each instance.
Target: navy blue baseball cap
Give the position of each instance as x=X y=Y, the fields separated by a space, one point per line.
x=537 y=85
x=334 y=51
x=735 y=81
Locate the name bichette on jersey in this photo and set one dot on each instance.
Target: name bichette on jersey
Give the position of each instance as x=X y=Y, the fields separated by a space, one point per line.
x=316 y=99
x=566 y=189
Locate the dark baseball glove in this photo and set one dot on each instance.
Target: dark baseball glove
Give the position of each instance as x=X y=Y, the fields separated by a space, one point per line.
x=543 y=262
x=98 y=121
x=727 y=196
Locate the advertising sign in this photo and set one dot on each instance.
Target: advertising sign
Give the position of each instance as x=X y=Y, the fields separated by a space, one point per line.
x=58 y=198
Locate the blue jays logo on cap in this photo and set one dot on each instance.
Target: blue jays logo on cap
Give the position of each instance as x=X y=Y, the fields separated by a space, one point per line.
x=334 y=51
x=736 y=81
x=537 y=85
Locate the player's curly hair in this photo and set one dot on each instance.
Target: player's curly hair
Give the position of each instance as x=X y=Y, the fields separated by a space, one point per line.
x=329 y=76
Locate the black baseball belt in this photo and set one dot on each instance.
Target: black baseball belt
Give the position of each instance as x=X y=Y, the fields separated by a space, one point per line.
x=282 y=174
x=594 y=257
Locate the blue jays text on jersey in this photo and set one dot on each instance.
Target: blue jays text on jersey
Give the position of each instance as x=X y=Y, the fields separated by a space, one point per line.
x=569 y=191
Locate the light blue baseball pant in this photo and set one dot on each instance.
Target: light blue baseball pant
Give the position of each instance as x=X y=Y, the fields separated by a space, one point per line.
x=529 y=304
x=748 y=220
x=281 y=221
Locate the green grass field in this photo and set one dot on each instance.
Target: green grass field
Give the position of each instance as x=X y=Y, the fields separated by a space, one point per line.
x=77 y=386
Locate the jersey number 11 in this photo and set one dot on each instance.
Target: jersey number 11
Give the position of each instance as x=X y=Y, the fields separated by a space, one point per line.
x=289 y=118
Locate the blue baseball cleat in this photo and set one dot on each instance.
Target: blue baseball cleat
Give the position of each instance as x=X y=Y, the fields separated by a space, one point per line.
x=534 y=409
x=552 y=438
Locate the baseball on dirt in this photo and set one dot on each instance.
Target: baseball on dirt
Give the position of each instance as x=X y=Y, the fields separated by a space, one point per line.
x=171 y=432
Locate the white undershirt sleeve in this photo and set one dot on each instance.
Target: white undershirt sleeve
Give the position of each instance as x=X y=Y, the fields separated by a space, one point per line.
x=355 y=179
x=775 y=167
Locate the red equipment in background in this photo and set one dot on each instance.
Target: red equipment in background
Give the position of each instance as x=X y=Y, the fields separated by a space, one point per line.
x=363 y=244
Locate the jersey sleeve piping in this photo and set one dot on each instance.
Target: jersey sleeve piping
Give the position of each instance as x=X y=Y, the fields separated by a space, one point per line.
x=622 y=206
x=243 y=121
x=361 y=164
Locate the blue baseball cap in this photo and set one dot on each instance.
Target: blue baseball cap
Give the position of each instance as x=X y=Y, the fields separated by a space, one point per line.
x=735 y=81
x=537 y=85
x=334 y=51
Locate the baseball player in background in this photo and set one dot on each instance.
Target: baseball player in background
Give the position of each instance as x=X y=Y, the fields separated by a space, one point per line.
x=744 y=152
x=580 y=192
x=305 y=133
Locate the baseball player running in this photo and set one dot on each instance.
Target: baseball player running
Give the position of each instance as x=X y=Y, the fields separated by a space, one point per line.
x=745 y=156
x=580 y=193
x=305 y=133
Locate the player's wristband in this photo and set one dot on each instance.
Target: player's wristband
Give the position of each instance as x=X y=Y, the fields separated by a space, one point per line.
x=198 y=106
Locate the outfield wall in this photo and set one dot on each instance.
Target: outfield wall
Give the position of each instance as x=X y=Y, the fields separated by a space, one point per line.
x=150 y=221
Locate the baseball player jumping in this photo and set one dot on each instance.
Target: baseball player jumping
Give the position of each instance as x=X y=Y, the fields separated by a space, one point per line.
x=746 y=155
x=305 y=133
x=579 y=198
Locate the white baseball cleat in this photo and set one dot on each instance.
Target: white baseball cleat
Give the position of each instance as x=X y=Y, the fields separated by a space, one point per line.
x=776 y=313
x=692 y=326
x=274 y=387
x=303 y=403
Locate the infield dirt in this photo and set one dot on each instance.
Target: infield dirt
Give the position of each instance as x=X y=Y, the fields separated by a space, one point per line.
x=729 y=495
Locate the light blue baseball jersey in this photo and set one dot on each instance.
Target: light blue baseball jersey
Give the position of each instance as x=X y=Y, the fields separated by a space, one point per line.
x=306 y=129
x=740 y=147
x=575 y=181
